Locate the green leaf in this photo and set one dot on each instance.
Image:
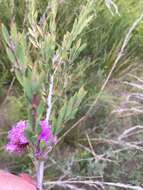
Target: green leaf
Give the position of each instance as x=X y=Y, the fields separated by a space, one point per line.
x=41 y=109
x=10 y=55
x=61 y=116
x=19 y=77
x=33 y=139
x=13 y=32
x=43 y=144
x=48 y=47
x=70 y=108
x=20 y=54
x=29 y=133
x=5 y=34
x=27 y=88
x=38 y=129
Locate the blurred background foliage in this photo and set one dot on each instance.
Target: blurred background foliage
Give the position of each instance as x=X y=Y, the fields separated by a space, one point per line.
x=103 y=37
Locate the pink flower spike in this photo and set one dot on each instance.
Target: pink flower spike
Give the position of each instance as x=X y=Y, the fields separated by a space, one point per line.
x=46 y=133
x=18 y=142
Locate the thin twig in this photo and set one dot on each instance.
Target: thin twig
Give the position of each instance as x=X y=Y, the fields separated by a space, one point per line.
x=98 y=157
x=90 y=182
x=49 y=99
x=128 y=131
x=111 y=5
x=69 y=186
x=58 y=61
x=91 y=147
x=9 y=89
x=40 y=172
x=139 y=86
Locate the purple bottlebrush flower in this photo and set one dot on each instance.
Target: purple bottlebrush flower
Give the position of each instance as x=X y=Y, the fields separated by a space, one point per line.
x=17 y=140
x=46 y=133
